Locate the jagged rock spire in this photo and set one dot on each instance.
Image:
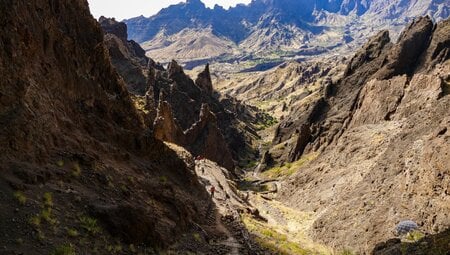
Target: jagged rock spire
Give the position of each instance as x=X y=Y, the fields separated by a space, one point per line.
x=111 y=26
x=204 y=81
x=174 y=68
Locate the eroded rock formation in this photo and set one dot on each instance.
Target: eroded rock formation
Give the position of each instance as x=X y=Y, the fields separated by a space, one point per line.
x=181 y=122
x=178 y=99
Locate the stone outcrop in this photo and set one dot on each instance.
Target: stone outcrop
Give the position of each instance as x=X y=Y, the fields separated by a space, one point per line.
x=126 y=56
x=211 y=143
x=438 y=50
x=111 y=26
x=203 y=80
x=165 y=128
x=202 y=138
x=71 y=138
x=412 y=43
x=381 y=132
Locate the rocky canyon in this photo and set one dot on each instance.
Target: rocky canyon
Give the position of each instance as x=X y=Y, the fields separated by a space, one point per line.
x=274 y=127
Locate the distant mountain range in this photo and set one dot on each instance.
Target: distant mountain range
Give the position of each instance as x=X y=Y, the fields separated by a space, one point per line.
x=272 y=29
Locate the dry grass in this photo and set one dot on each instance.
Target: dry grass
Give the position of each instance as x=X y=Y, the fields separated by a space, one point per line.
x=286 y=228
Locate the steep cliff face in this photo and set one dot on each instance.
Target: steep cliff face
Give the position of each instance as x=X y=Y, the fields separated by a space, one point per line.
x=198 y=120
x=75 y=153
x=126 y=55
x=381 y=132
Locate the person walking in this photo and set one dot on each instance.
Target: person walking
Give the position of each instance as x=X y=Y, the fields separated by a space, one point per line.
x=212 y=190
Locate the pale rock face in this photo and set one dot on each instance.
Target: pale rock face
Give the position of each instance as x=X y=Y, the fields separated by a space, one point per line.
x=199 y=43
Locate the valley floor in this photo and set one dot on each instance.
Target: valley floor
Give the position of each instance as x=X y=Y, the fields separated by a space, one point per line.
x=247 y=219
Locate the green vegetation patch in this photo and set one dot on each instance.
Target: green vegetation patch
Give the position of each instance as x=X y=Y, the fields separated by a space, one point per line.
x=251 y=164
x=66 y=249
x=163 y=179
x=271 y=239
x=414 y=236
x=48 y=199
x=60 y=163
x=71 y=232
x=248 y=185
x=45 y=215
x=90 y=225
x=289 y=169
x=21 y=198
x=266 y=122
x=197 y=237
x=76 y=170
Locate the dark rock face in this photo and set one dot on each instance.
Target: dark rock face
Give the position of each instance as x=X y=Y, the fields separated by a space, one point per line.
x=188 y=115
x=127 y=56
x=203 y=80
x=137 y=225
x=403 y=57
x=165 y=128
x=303 y=139
x=381 y=130
x=370 y=51
x=111 y=26
x=209 y=139
x=438 y=50
x=70 y=129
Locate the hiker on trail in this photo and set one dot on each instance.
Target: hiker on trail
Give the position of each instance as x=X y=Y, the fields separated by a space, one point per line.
x=212 y=190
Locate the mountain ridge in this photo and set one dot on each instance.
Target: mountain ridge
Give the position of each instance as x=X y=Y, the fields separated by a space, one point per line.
x=283 y=28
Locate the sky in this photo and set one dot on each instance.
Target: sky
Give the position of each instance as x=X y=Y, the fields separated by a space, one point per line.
x=121 y=9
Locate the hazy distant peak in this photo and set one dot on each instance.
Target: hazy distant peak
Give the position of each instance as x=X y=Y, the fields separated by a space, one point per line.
x=288 y=26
